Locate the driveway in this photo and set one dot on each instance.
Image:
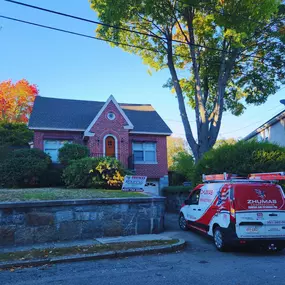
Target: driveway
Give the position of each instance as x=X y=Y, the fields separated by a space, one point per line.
x=199 y=264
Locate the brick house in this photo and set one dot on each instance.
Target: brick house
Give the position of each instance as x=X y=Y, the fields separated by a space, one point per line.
x=133 y=133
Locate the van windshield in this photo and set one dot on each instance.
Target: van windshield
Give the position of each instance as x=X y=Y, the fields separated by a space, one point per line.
x=258 y=196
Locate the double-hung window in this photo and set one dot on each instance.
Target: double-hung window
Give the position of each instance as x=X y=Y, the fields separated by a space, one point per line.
x=144 y=152
x=51 y=148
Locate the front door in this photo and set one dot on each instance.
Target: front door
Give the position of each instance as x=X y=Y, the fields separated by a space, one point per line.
x=110 y=146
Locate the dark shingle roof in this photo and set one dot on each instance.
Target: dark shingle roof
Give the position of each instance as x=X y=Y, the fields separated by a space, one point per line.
x=53 y=113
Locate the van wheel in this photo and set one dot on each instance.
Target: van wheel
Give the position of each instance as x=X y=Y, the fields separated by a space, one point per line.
x=219 y=239
x=183 y=223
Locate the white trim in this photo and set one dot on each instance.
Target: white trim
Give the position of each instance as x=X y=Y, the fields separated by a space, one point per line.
x=116 y=145
x=150 y=133
x=57 y=129
x=111 y=98
x=145 y=162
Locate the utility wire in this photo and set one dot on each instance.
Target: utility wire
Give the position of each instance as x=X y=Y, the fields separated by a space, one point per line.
x=96 y=38
x=121 y=28
x=78 y=34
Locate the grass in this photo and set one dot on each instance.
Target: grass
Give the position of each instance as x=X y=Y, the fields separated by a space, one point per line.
x=67 y=251
x=42 y=194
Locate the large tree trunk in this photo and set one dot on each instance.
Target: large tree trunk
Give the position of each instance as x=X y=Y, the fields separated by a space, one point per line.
x=188 y=132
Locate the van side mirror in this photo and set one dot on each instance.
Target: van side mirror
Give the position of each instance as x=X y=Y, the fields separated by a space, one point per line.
x=187 y=202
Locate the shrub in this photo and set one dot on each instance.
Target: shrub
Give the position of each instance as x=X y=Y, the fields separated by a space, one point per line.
x=183 y=164
x=52 y=177
x=72 y=151
x=106 y=172
x=176 y=189
x=241 y=158
x=23 y=168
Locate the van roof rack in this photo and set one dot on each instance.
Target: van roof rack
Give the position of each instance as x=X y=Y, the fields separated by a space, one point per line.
x=254 y=177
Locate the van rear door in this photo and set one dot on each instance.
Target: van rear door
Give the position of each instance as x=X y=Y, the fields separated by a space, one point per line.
x=260 y=211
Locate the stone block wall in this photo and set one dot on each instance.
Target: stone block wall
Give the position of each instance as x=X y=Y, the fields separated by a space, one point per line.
x=51 y=221
x=174 y=200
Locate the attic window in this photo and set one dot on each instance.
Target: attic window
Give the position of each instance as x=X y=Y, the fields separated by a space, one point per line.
x=111 y=116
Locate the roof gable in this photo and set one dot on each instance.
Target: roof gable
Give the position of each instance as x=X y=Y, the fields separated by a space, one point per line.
x=129 y=125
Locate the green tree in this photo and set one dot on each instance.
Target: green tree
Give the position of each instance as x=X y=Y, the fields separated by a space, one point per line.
x=221 y=54
x=15 y=134
x=183 y=163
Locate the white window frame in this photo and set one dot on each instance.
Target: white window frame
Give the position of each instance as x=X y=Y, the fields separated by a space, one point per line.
x=144 y=149
x=58 y=145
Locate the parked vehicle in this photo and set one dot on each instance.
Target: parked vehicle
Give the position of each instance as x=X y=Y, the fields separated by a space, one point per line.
x=238 y=211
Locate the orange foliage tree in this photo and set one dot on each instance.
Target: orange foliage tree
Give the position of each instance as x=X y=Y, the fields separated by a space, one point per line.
x=16 y=100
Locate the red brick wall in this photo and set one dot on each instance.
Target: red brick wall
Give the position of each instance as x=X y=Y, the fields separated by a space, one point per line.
x=40 y=136
x=103 y=126
x=152 y=170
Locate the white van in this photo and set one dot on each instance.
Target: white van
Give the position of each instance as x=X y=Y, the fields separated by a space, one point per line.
x=237 y=211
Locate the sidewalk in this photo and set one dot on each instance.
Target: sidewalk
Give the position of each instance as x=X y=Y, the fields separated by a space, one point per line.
x=110 y=247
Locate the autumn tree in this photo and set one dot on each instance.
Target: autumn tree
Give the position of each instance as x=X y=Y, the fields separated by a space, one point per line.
x=221 y=54
x=175 y=145
x=16 y=100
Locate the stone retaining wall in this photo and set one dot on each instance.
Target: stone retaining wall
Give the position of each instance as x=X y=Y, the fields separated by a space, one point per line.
x=51 y=221
x=174 y=200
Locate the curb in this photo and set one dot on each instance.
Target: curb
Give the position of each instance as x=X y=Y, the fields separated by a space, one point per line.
x=108 y=254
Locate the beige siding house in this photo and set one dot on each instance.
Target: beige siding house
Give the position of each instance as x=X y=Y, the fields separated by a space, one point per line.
x=272 y=131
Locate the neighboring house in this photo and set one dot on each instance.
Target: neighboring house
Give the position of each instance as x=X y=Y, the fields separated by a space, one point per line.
x=133 y=133
x=272 y=131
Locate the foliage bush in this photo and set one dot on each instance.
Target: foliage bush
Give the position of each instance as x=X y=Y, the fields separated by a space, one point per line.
x=177 y=189
x=183 y=164
x=52 y=177
x=15 y=134
x=105 y=172
x=23 y=168
x=241 y=158
x=72 y=151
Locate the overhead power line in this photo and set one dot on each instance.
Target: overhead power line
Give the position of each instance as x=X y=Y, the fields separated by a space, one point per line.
x=75 y=33
x=121 y=28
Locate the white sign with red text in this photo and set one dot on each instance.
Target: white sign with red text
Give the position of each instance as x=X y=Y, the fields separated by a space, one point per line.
x=134 y=183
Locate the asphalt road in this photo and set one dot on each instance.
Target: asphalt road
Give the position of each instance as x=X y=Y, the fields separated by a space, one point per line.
x=199 y=264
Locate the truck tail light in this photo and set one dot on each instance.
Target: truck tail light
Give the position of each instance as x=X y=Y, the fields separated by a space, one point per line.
x=233 y=212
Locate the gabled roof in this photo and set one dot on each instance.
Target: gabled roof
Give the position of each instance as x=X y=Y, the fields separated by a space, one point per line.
x=267 y=124
x=129 y=125
x=76 y=115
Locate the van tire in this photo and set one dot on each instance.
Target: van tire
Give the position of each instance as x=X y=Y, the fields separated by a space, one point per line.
x=183 y=223
x=219 y=239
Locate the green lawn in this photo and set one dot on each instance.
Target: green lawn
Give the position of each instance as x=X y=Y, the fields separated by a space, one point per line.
x=40 y=194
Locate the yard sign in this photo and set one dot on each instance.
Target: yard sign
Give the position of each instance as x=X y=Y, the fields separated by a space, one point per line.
x=134 y=183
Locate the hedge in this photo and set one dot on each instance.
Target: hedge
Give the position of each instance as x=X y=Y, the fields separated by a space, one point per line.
x=23 y=168
x=176 y=189
x=242 y=158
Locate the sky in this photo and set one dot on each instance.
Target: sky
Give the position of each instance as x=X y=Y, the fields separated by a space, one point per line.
x=68 y=66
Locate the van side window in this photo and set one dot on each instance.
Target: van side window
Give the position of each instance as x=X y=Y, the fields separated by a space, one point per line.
x=194 y=198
